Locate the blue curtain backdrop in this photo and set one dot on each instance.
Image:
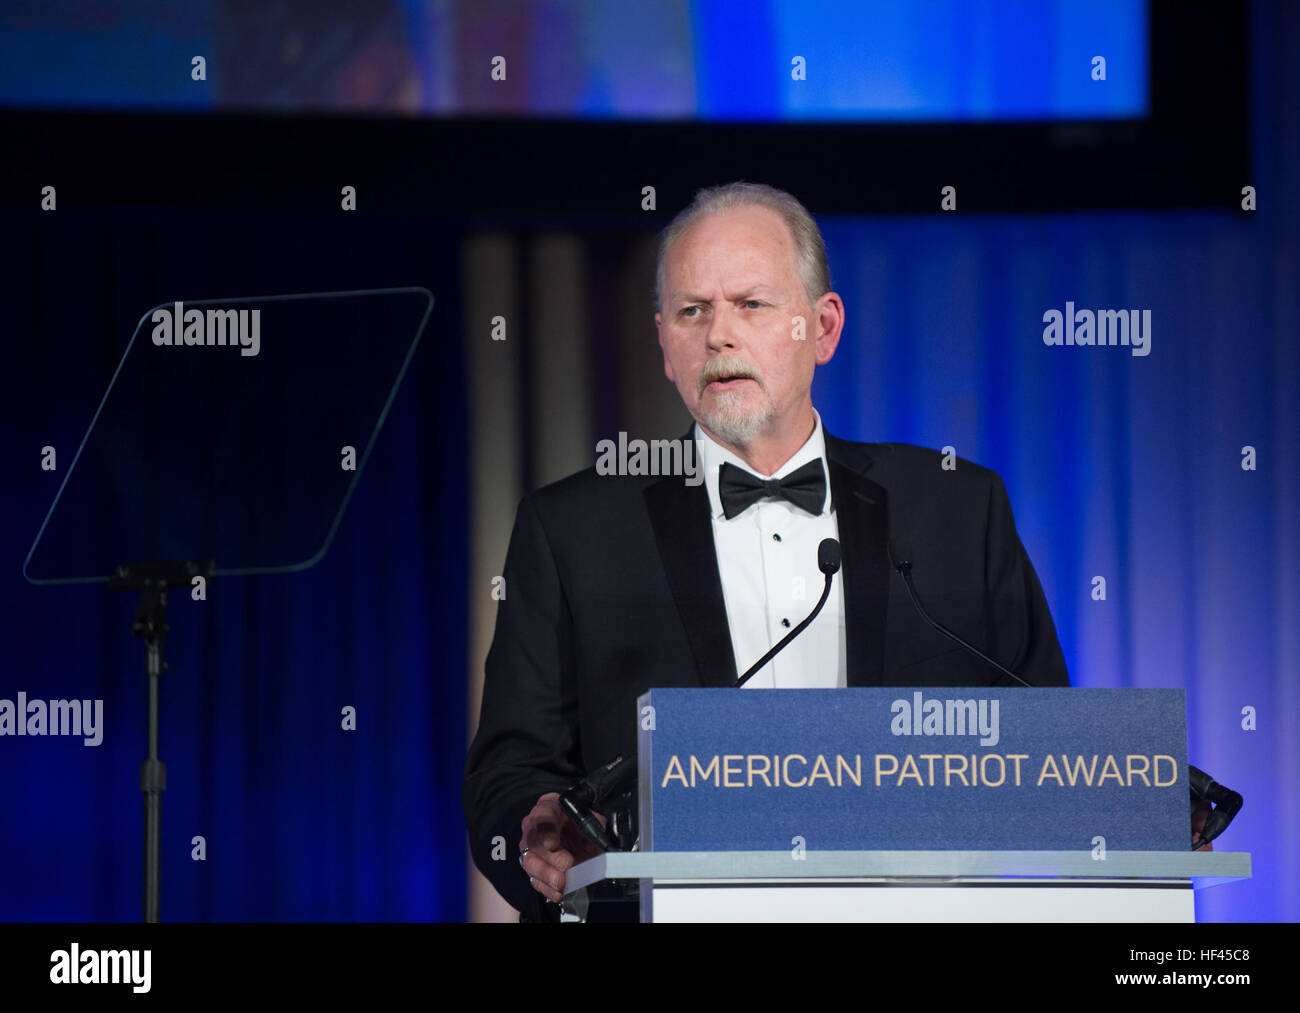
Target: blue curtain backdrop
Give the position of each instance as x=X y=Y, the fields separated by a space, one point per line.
x=1128 y=468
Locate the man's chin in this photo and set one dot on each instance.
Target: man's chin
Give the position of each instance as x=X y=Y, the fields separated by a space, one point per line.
x=734 y=423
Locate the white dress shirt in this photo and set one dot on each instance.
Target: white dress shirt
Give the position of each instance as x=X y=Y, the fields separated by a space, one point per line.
x=767 y=558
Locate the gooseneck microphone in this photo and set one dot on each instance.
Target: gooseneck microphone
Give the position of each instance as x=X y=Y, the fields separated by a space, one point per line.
x=898 y=559
x=1203 y=788
x=617 y=777
x=828 y=561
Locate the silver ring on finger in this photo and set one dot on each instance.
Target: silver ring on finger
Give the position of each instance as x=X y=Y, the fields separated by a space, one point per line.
x=521 y=856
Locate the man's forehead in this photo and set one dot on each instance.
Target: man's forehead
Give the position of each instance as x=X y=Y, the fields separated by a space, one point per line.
x=747 y=249
x=749 y=224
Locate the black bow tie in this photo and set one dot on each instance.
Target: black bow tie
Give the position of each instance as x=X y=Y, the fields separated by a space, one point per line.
x=804 y=487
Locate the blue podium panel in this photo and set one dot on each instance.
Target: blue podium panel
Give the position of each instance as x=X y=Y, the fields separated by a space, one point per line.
x=914 y=769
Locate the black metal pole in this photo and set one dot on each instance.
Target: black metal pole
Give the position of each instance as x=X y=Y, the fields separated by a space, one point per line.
x=153 y=781
x=150 y=623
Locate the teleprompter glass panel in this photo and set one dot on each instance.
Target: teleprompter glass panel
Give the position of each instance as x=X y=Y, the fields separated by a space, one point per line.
x=225 y=432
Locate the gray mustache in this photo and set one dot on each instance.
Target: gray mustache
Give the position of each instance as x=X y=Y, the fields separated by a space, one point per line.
x=711 y=373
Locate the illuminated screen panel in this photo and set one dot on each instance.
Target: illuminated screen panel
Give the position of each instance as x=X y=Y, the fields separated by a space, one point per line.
x=715 y=61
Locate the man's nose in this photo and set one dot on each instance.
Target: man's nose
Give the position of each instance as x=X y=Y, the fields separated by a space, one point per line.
x=722 y=333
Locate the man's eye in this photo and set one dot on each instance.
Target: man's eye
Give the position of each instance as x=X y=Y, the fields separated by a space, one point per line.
x=752 y=304
x=689 y=311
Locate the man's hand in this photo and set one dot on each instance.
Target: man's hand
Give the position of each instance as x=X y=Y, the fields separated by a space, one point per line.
x=1199 y=815
x=551 y=845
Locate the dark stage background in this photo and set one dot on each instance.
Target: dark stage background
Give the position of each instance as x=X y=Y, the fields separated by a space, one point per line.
x=1121 y=466
x=303 y=821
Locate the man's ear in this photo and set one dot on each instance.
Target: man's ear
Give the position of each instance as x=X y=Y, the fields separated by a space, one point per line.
x=668 y=368
x=829 y=314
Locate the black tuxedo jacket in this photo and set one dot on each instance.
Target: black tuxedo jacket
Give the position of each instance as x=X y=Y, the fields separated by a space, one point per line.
x=612 y=588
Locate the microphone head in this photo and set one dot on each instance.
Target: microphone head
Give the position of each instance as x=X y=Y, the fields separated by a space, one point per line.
x=828 y=556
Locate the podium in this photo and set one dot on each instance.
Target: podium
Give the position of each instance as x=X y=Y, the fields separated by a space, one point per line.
x=908 y=886
x=937 y=804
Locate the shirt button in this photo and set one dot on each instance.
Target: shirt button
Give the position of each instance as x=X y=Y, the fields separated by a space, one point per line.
x=785 y=623
x=775 y=537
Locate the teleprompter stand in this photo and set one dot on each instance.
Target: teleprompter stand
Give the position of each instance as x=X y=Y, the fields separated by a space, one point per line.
x=152 y=581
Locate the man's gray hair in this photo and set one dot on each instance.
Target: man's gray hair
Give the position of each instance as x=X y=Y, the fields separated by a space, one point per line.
x=810 y=248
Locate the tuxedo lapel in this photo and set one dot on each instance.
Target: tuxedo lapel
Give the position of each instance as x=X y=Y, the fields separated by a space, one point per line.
x=862 y=516
x=679 y=514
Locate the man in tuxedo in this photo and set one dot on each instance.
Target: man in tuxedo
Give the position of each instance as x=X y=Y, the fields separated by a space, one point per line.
x=619 y=584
